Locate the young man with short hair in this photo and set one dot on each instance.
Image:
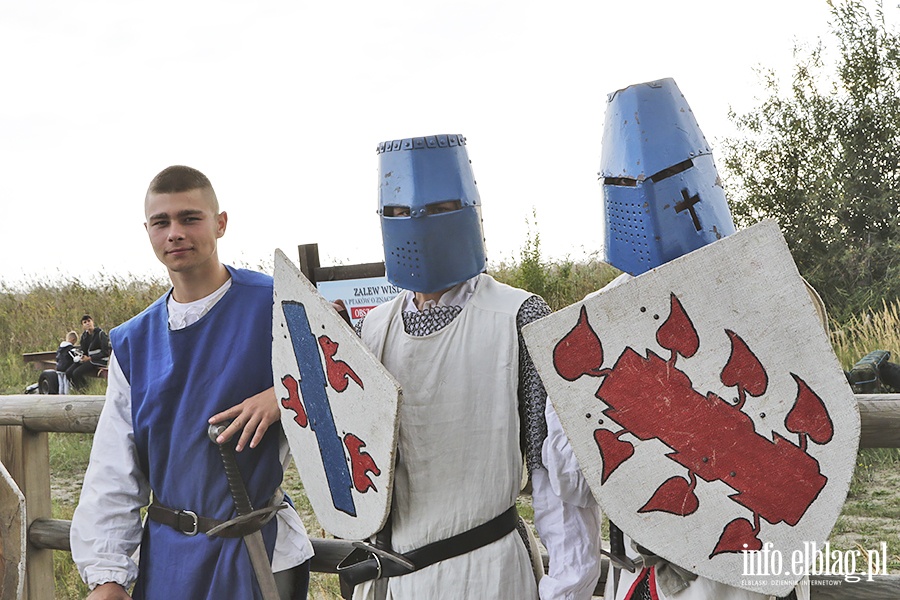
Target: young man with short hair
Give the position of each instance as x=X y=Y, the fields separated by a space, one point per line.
x=198 y=355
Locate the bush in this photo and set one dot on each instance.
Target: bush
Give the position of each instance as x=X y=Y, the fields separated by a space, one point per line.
x=559 y=282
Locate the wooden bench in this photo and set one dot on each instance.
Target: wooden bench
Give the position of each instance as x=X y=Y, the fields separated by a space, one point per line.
x=45 y=362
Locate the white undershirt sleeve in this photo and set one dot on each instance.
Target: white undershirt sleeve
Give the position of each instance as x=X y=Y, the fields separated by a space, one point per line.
x=567 y=519
x=106 y=527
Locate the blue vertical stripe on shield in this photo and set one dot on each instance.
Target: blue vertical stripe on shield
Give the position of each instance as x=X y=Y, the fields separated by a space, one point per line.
x=318 y=408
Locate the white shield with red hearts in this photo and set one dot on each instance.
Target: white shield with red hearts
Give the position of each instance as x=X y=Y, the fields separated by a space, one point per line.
x=339 y=408
x=707 y=409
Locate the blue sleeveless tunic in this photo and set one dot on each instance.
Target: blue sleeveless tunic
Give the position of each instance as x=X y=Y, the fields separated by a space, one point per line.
x=178 y=380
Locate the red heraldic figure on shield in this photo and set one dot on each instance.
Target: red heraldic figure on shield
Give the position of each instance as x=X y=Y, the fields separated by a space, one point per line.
x=649 y=397
x=339 y=373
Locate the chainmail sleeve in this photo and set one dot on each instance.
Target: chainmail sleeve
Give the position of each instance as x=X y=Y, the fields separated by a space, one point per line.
x=532 y=397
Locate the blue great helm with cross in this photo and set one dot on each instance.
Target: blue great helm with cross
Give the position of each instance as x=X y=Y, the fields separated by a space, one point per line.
x=430 y=213
x=662 y=196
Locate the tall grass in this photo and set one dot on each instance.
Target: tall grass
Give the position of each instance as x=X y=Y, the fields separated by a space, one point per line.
x=874 y=330
x=37 y=318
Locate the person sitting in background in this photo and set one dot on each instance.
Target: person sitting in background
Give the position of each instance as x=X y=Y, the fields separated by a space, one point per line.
x=95 y=352
x=66 y=356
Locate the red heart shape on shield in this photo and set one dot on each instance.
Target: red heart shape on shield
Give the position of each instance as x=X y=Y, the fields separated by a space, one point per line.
x=613 y=451
x=675 y=495
x=737 y=537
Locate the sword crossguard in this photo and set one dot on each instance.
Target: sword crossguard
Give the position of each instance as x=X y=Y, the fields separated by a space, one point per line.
x=621 y=561
x=382 y=553
x=259 y=517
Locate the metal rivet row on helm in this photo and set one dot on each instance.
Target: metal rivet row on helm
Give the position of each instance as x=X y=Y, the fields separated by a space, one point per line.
x=417 y=143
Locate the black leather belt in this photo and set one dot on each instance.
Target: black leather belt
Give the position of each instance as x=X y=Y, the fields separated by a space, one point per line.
x=190 y=523
x=365 y=565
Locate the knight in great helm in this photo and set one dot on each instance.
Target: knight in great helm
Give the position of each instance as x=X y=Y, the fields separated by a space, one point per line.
x=662 y=199
x=662 y=196
x=472 y=414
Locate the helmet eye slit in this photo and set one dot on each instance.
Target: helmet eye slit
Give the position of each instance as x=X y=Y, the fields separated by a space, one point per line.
x=396 y=211
x=620 y=181
x=673 y=170
x=445 y=206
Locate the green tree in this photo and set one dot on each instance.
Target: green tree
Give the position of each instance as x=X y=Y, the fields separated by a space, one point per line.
x=823 y=159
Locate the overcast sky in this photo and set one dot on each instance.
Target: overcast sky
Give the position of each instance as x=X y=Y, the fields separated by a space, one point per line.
x=282 y=105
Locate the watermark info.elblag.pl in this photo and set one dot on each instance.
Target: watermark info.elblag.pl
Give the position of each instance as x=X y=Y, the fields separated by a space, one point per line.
x=851 y=565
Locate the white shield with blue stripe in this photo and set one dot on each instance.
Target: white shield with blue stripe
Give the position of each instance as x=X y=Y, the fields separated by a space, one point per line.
x=339 y=408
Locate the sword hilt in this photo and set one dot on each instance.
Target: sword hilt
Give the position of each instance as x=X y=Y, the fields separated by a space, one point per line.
x=616 y=552
x=259 y=559
x=616 y=540
x=242 y=502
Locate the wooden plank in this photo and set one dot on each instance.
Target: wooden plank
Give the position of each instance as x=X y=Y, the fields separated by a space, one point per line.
x=880 y=421
x=50 y=534
x=833 y=587
x=341 y=272
x=309 y=260
x=45 y=356
x=312 y=269
x=879 y=413
x=40 y=360
x=36 y=473
x=12 y=537
x=71 y=414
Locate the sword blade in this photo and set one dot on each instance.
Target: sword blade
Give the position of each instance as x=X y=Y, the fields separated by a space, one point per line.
x=259 y=558
x=256 y=547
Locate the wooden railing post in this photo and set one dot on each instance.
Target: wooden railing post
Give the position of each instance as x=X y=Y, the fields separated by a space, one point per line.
x=26 y=455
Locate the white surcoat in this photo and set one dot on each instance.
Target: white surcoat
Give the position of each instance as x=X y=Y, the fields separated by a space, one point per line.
x=459 y=460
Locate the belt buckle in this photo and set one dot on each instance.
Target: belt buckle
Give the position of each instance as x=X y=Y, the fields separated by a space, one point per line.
x=193 y=516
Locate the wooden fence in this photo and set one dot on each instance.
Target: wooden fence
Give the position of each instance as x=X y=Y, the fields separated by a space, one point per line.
x=25 y=421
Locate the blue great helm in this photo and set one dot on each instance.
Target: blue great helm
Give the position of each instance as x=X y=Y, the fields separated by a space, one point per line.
x=662 y=196
x=430 y=213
